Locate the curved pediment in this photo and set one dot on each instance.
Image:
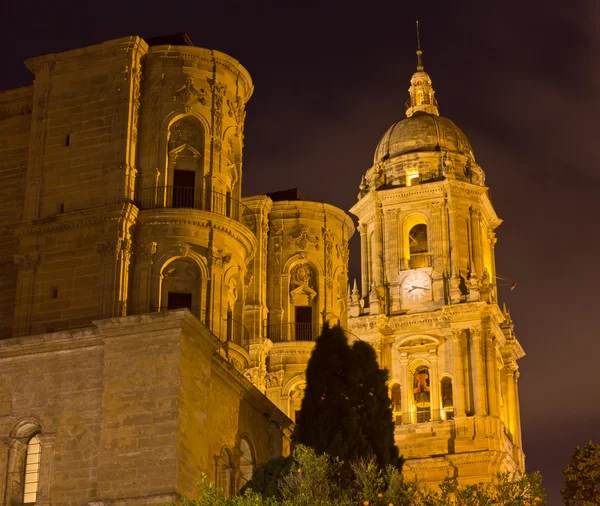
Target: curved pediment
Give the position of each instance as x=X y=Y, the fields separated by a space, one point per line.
x=417 y=341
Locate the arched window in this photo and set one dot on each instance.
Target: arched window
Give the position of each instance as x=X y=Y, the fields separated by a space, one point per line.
x=396 y=399
x=421 y=392
x=32 y=471
x=447 y=398
x=419 y=97
x=246 y=461
x=418 y=248
x=226 y=473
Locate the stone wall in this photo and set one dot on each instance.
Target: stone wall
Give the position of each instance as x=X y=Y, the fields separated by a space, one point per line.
x=136 y=408
x=15 y=124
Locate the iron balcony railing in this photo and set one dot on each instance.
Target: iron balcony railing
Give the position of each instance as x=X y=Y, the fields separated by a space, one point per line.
x=189 y=197
x=416 y=261
x=423 y=416
x=293 y=332
x=233 y=330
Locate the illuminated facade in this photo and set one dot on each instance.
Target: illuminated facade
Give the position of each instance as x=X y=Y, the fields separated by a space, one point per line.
x=429 y=299
x=156 y=325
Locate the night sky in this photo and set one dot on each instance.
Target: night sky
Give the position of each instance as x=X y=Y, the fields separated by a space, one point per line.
x=521 y=78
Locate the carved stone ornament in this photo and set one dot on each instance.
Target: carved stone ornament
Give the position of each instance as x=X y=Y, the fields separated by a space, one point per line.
x=301 y=274
x=186 y=131
x=220 y=258
x=188 y=95
x=27 y=261
x=107 y=250
x=274 y=379
x=146 y=252
x=303 y=238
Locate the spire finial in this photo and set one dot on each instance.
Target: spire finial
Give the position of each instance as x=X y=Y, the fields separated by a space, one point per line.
x=420 y=67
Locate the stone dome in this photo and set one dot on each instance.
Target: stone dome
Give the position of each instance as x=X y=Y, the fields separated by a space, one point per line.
x=422 y=132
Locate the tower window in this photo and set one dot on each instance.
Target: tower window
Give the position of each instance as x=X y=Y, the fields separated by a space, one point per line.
x=421 y=392
x=412 y=177
x=420 y=99
x=418 y=248
x=396 y=400
x=447 y=397
x=32 y=471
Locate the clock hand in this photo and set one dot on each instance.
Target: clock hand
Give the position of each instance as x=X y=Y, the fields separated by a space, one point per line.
x=418 y=287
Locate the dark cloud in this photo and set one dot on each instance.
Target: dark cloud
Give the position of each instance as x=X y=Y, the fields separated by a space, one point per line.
x=520 y=78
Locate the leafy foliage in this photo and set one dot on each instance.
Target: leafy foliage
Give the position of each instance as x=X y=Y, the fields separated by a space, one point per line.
x=316 y=480
x=582 y=477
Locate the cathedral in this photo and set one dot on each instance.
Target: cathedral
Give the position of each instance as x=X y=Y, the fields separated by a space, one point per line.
x=156 y=325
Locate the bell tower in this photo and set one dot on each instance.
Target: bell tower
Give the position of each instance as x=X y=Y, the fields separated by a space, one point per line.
x=429 y=302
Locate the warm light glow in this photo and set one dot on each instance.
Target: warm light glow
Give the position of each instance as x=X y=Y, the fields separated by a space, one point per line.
x=412 y=177
x=32 y=471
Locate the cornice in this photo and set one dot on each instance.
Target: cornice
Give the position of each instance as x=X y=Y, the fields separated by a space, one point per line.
x=106 y=49
x=315 y=208
x=127 y=212
x=49 y=343
x=198 y=218
x=211 y=56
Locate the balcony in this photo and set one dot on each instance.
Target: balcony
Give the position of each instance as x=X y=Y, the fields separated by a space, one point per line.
x=189 y=197
x=417 y=261
x=232 y=330
x=293 y=332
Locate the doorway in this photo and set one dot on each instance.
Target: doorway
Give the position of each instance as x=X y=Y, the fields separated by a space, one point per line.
x=184 y=182
x=303 y=325
x=179 y=300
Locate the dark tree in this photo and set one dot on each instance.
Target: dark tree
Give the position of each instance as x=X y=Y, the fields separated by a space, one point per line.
x=266 y=477
x=346 y=410
x=582 y=477
x=372 y=404
x=328 y=422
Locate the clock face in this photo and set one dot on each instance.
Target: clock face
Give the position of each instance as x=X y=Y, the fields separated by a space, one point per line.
x=417 y=287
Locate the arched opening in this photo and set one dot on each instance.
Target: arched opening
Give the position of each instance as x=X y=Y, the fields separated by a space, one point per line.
x=184 y=177
x=32 y=470
x=226 y=473
x=419 y=97
x=447 y=398
x=422 y=394
x=396 y=401
x=180 y=287
x=304 y=310
x=246 y=461
x=24 y=463
x=418 y=247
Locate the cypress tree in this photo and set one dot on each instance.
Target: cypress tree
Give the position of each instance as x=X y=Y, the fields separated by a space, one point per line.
x=372 y=404
x=328 y=423
x=346 y=411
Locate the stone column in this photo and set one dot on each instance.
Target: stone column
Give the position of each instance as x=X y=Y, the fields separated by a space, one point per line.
x=454 y=271
x=479 y=390
x=511 y=399
x=459 y=373
x=477 y=266
x=25 y=287
x=391 y=232
x=364 y=259
x=3 y=465
x=377 y=253
x=47 y=450
x=492 y=239
x=490 y=366
x=406 y=388
x=518 y=441
x=434 y=384
x=437 y=251
x=143 y=277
